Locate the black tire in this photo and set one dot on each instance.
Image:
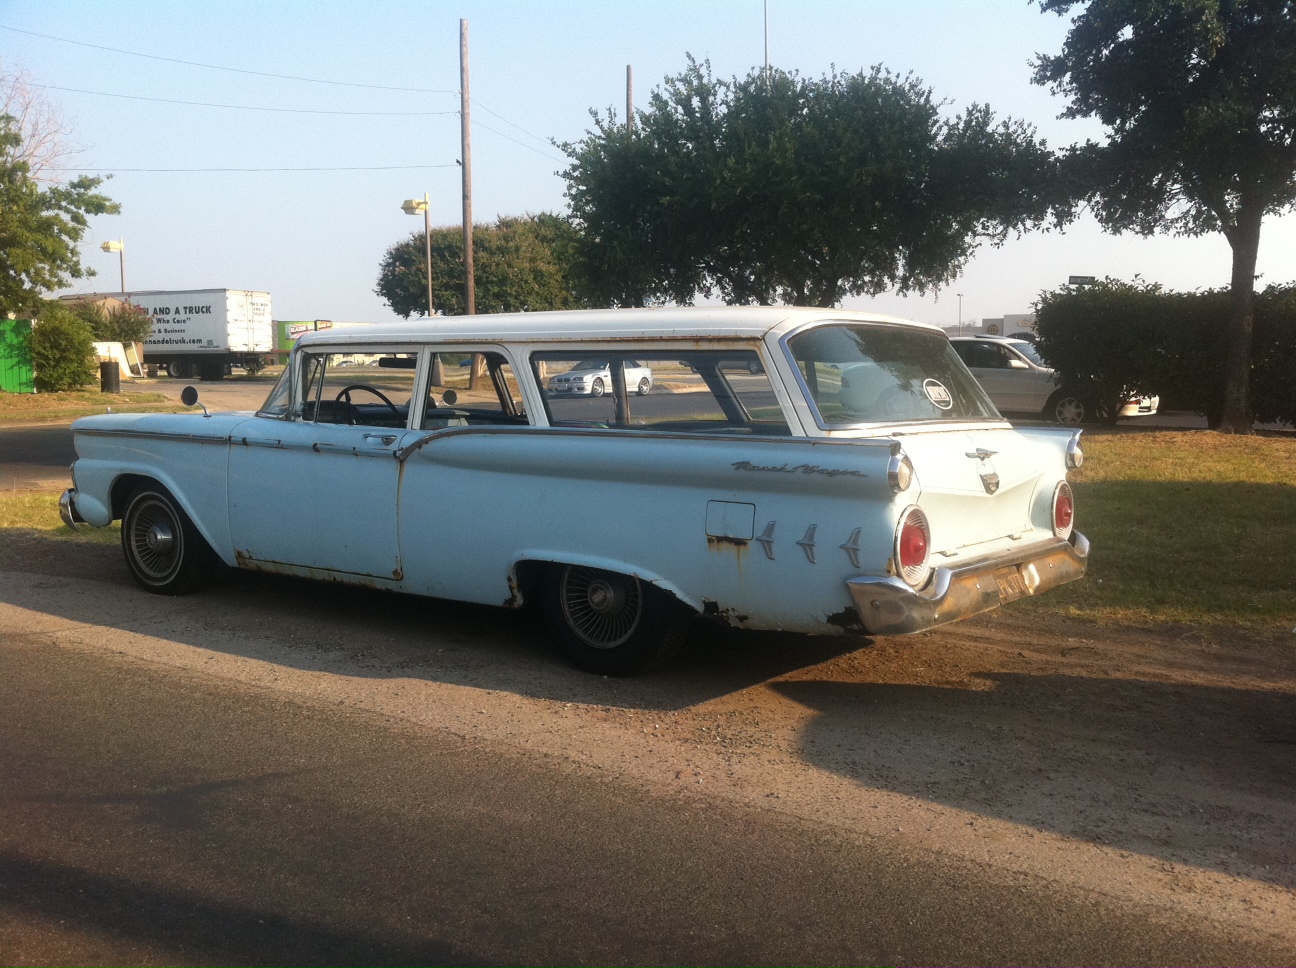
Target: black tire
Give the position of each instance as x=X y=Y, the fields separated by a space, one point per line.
x=180 y=369
x=644 y=386
x=612 y=624
x=164 y=551
x=596 y=388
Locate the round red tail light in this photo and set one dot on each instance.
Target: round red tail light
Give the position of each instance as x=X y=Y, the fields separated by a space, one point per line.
x=1063 y=510
x=913 y=546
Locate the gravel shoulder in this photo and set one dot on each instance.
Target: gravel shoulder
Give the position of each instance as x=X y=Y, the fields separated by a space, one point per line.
x=1156 y=766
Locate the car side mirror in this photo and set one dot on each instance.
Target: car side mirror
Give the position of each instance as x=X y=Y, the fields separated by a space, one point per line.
x=189 y=396
x=450 y=398
x=1018 y=365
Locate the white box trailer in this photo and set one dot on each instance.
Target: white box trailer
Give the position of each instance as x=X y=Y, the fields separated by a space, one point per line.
x=201 y=332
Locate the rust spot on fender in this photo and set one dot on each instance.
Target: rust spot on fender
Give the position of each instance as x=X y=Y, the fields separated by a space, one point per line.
x=847 y=620
x=729 y=616
x=515 y=593
x=733 y=544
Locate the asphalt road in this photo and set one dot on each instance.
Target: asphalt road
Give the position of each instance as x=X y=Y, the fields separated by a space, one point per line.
x=157 y=817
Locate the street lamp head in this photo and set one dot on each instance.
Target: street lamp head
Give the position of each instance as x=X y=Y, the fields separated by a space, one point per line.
x=114 y=246
x=414 y=206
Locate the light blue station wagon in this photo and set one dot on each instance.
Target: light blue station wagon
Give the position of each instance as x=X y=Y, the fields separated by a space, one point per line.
x=815 y=471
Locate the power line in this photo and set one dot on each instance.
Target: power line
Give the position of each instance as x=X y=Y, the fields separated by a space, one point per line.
x=546 y=141
x=243 y=107
x=232 y=70
x=113 y=171
x=501 y=134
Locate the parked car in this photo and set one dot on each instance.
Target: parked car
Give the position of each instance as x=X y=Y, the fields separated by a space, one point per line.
x=859 y=482
x=593 y=378
x=1018 y=381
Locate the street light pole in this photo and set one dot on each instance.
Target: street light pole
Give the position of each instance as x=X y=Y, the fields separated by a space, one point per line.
x=412 y=206
x=960 y=299
x=118 y=246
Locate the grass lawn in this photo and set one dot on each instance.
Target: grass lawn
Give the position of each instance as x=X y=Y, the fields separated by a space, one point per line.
x=23 y=407
x=1189 y=526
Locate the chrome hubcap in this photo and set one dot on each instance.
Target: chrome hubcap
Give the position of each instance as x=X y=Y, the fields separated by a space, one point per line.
x=160 y=539
x=603 y=610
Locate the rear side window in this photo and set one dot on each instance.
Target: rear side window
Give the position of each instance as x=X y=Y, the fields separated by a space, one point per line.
x=660 y=391
x=854 y=374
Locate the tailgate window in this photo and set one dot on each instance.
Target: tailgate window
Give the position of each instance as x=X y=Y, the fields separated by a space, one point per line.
x=855 y=373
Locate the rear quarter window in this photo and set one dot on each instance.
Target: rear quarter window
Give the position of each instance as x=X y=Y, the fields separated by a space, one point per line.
x=856 y=374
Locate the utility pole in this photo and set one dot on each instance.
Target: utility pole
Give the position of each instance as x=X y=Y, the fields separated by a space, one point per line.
x=960 y=299
x=630 y=99
x=465 y=114
x=767 y=43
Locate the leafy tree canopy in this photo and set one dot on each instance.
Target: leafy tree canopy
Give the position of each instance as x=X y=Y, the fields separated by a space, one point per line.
x=1199 y=99
x=115 y=322
x=40 y=226
x=520 y=264
x=784 y=189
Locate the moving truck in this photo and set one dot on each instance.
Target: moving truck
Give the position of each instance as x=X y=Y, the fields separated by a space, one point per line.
x=201 y=332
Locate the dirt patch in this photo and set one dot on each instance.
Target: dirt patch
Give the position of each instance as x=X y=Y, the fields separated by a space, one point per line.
x=1154 y=764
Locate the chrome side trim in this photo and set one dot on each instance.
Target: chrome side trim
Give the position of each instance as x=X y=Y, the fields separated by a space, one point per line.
x=158 y=435
x=887 y=606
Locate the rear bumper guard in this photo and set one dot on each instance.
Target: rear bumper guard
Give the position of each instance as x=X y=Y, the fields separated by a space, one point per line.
x=887 y=606
x=68 y=511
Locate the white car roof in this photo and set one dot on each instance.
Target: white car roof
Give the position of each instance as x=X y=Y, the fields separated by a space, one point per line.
x=1016 y=340
x=734 y=322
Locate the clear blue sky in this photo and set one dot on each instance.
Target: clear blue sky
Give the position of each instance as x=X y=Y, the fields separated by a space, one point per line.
x=314 y=239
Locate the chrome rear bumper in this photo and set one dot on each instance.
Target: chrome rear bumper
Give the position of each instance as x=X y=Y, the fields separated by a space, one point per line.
x=887 y=606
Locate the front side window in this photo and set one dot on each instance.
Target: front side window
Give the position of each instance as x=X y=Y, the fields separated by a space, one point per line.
x=367 y=389
x=660 y=391
x=856 y=373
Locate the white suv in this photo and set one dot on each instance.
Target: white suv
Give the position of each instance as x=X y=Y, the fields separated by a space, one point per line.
x=1017 y=380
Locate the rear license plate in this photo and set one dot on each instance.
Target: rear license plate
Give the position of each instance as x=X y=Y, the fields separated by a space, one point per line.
x=1011 y=585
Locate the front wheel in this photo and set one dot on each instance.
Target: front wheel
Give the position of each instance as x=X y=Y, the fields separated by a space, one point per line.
x=612 y=624
x=164 y=551
x=596 y=388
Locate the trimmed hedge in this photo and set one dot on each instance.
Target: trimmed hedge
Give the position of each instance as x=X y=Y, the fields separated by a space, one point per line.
x=1115 y=339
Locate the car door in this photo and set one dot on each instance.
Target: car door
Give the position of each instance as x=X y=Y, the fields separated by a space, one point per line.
x=315 y=491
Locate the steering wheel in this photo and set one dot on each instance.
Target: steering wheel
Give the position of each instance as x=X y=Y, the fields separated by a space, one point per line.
x=344 y=396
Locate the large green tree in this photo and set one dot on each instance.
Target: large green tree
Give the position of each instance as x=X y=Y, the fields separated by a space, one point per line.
x=787 y=189
x=520 y=264
x=40 y=227
x=1199 y=101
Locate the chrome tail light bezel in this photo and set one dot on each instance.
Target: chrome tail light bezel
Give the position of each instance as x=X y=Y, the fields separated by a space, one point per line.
x=1063 y=490
x=914 y=575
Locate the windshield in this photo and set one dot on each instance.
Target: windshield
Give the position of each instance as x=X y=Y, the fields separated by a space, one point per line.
x=860 y=373
x=1028 y=350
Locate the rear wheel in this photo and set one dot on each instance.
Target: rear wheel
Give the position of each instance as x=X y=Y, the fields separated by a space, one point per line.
x=612 y=624
x=1067 y=407
x=644 y=386
x=164 y=551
